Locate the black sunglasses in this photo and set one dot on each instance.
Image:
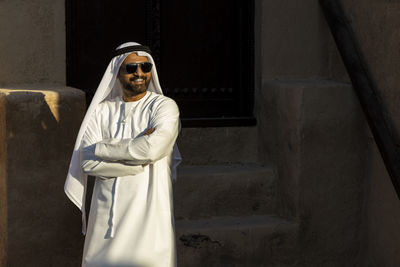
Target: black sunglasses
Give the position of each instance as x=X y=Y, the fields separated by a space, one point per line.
x=144 y=66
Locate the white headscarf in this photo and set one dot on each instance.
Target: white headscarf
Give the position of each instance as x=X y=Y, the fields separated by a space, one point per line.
x=76 y=182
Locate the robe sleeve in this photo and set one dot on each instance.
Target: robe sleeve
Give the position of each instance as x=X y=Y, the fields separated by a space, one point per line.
x=95 y=166
x=146 y=149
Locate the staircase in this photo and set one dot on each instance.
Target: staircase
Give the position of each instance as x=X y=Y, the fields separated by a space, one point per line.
x=287 y=192
x=225 y=204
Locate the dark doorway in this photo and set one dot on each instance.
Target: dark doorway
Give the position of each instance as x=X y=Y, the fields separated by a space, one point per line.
x=204 y=51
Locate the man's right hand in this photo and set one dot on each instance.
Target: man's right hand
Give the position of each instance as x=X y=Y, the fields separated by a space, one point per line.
x=149 y=131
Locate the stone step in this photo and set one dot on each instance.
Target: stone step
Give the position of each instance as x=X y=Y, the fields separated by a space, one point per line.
x=220 y=145
x=224 y=190
x=236 y=241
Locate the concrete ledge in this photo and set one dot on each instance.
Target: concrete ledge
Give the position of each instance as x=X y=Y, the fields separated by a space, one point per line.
x=234 y=190
x=236 y=241
x=39 y=124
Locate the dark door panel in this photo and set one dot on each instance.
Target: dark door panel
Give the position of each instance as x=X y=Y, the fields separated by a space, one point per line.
x=203 y=49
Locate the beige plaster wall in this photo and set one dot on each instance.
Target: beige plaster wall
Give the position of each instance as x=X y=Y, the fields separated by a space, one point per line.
x=32 y=41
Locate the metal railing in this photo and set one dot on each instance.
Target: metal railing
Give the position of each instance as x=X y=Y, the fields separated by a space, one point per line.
x=364 y=87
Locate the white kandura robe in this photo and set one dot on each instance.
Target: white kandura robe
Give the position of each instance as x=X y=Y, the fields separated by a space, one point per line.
x=131 y=219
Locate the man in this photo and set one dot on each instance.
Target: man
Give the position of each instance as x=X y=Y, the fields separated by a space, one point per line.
x=127 y=140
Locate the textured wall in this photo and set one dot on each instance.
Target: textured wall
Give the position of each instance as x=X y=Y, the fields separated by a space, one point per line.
x=223 y=145
x=376 y=24
x=3 y=183
x=32 y=47
x=296 y=42
x=39 y=129
x=315 y=133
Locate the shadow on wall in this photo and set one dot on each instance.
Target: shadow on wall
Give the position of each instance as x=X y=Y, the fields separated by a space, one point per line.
x=43 y=226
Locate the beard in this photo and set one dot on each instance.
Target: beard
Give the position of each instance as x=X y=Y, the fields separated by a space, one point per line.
x=135 y=89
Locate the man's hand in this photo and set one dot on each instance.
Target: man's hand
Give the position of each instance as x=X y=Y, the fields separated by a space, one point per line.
x=149 y=131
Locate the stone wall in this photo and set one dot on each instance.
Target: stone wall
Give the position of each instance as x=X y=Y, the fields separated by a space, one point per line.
x=39 y=120
x=297 y=44
x=377 y=27
x=315 y=134
x=216 y=146
x=39 y=126
x=32 y=47
x=3 y=184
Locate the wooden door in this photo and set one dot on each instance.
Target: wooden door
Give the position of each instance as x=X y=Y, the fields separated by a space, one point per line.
x=203 y=50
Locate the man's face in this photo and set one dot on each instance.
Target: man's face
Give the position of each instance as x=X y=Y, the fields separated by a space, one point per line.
x=137 y=82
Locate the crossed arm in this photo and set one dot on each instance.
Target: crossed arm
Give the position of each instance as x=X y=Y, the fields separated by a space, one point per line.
x=121 y=157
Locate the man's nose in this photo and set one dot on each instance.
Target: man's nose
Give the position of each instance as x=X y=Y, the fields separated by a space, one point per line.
x=139 y=71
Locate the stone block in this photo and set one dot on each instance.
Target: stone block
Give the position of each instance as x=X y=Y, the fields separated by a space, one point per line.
x=236 y=241
x=215 y=146
x=39 y=226
x=224 y=190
